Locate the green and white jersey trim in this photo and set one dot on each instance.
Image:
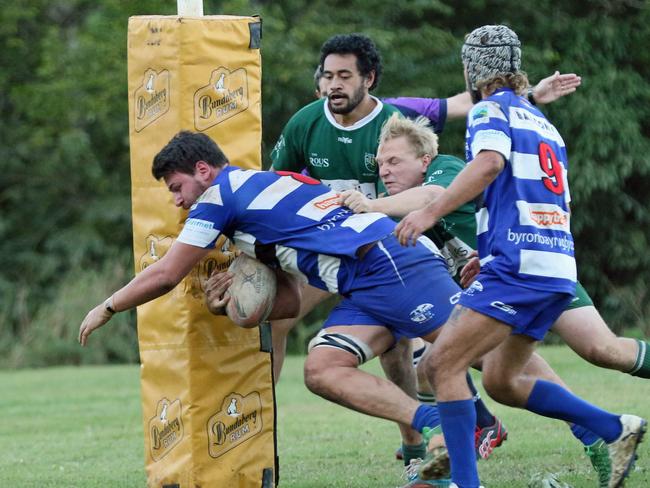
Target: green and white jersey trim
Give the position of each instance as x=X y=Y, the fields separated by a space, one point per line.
x=359 y=123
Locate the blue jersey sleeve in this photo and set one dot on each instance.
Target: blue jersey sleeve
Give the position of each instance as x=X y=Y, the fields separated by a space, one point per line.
x=208 y=219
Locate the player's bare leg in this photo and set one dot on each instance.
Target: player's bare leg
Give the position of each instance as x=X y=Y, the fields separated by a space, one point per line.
x=280 y=329
x=333 y=374
x=585 y=331
x=504 y=378
x=397 y=364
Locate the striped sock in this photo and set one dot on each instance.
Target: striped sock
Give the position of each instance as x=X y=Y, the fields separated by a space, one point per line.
x=428 y=398
x=641 y=367
x=413 y=452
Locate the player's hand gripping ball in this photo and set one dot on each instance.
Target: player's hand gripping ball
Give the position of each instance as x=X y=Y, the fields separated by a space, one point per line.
x=246 y=292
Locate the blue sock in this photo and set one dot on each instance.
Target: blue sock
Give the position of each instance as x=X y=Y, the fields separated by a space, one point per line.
x=483 y=416
x=425 y=416
x=585 y=436
x=551 y=400
x=458 y=423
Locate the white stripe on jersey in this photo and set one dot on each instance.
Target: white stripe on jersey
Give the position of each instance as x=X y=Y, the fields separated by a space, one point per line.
x=486 y=259
x=381 y=246
x=567 y=192
x=238 y=177
x=197 y=232
x=245 y=242
x=520 y=118
x=528 y=167
x=368 y=189
x=359 y=222
x=543 y=216
x=547 y=264
x=288 y=258
x=274 y=193
x=491 y=140
x=211 y=195
x=328 y=270
x=482 y=220
x=430 y=245
x=318 y=207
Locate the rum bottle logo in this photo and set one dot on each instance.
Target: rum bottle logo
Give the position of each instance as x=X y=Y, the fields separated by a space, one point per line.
x=151 y=99
x=165 y=428
x=225 y=96
x=239 y=419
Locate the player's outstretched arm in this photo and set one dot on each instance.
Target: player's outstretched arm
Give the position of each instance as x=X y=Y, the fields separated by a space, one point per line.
x=156 y=280
x=394 y=205
x=555 y=86
x=459 y=105
x=546 y=91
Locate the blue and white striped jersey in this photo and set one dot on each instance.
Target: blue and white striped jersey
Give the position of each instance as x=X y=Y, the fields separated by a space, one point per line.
x=284 y=219
x=523 y=221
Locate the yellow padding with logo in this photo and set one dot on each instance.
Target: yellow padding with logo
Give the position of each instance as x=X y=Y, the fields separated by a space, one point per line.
x=207 y=392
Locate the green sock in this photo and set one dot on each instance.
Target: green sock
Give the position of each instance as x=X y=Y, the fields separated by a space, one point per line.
x=413 y=452
x=428 y=398
x=642 y=365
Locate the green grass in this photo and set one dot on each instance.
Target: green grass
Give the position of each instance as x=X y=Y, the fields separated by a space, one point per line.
x=81 y=427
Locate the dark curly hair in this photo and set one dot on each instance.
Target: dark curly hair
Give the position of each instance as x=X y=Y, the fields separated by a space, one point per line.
x=368 y=58
x=184 y=151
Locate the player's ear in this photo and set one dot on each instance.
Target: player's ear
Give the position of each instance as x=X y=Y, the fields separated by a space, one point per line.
x=370 y=79
x=202 y=168
x=426 y=161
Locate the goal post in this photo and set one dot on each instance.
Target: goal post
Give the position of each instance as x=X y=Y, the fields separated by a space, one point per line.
x=208 y=402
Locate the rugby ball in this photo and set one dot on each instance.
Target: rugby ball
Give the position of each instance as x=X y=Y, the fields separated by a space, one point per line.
x=252 y=293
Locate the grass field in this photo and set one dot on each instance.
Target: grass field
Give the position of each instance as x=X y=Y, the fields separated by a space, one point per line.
x=72 y=427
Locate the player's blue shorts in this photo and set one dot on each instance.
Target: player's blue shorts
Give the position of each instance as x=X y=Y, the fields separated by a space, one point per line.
x=529 y=312
x=406 y=289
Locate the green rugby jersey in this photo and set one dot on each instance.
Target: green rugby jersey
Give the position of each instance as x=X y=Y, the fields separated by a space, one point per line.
x=455 y=234
x=341 y=157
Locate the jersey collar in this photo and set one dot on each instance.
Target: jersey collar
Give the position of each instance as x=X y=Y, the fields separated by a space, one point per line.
x=358 y=124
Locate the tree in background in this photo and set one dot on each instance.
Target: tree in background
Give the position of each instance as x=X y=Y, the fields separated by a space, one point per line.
x=64 y=156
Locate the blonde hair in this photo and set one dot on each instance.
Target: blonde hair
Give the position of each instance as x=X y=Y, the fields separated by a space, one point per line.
x=518 y=82
x=418 y=133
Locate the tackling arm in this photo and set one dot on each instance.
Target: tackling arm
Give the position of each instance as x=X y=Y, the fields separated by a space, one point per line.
x=469 y=183
x=394 y=205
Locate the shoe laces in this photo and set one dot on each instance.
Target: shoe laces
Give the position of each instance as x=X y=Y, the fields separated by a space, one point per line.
x=411 y=471
x=599 y=456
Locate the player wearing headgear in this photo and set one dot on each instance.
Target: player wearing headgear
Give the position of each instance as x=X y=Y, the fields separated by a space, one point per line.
x=518 y=169
x=413 y=173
